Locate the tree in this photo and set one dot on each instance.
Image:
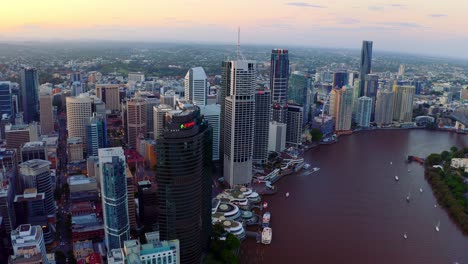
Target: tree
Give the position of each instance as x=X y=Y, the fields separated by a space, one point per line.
x=453 y=149
x=434 y=159
x=445 y=155
x=316 y=134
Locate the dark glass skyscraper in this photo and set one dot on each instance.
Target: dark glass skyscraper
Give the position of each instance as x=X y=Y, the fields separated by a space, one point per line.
x=366 y=64
x=5 y=99
x=262 y=121
x=340 y=79
x=184 y=182
x=301 y=92
x=30 y=94
x=279 y=79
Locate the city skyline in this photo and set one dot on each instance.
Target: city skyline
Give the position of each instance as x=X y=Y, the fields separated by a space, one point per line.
x=306 y=23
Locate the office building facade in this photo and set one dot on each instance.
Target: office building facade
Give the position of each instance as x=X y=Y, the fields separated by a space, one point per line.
x=364 y=111
x=28 y=244
x=30 y=94
x=46 y=113
x=112 y=170
x=196 y=86
x=6 y=100
x=403 y=103
x=365 y=65
x=384 y=107
x=136 y=120
x=294 y=118
x=341 y=108
x=78 y=113
x=36 y=174
x=110 y=95
x=262 y=120
x=212 y=114
x=184 y=182
x=96 y=134
x=239 y=124
x=159 y=115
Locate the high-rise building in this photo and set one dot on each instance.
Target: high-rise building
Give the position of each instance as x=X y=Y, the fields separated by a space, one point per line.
x=159 y=116
x=28 y=244
x=131 y=199
x=225 y=91
x=109 y=94
x=340 y=79
x=112 y=168
x=46 y=113
x=169 y=98
x=403 y=103
x=294 y=124
x=301 y=92
x=7 y=196
x=148 y=205
x=401 y=71
x=96 y=134
x=6 y=101
x=279 y=75
x=196 y=86
x=277 y=136
x=17 y=135
x=75 y=149
x=136 y=120
x=166 y=252
x=78 y=113
x=365 y=66
x=384 y=107
x=371 y=84
x=150 y=103
x=33 y=150
x=279 y=83
x=239 y=123
x=363 y=115
x=212 y=114
x=36 y=174
x=341 y=107
x=30 y=94
x=184 y=182
x=262 y=121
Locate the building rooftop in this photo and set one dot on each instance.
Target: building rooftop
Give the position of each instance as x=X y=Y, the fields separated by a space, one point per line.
x=35 y=163
x=33 y=144
x=74 y=140
x=80 y=179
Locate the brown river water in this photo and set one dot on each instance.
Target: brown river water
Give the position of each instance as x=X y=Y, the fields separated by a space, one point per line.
x=353 y=210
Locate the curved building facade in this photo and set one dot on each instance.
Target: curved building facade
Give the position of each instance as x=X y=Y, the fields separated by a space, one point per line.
x=78 y=114
x=184 y=182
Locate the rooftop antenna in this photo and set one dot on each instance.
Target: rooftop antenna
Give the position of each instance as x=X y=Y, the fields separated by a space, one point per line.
x=240 y=56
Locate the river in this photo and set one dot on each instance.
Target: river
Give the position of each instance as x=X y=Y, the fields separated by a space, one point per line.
x=353 y=210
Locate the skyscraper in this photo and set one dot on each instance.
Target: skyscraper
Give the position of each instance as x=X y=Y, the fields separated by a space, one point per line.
x=184 y=182
x=36 y=174
x=6 y=103
x=239 y=123
x=136 y=120
x=30 y=94
x=294 y=118
x=212 y=114
x=363 y=115
x=109 y=94
x=366 y=65
x=403 y=103
x=341 y=107
x=262 y=121
x=196 y=86
x=150 y=103
x=279 y=80
x=301 y=92
x=112 y=169
x=47 y=113
x=159 y=114
x=96 y=135
x=340 y=79
x=78 y=114
x=371 y=84
x=225 y=91
x=384 y=107
x=28 y=243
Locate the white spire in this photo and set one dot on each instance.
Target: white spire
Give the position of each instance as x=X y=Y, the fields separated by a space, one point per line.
x=240 y=56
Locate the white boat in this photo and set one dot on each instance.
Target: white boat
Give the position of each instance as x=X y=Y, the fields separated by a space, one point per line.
x=405 y=236
x=396 y=178
x=408 y=197
x=391 y=163
x=420 y=190
x=267 y=234
x=287 y=194
x=265 y=205
x=435 y=205
x=266 y=219
x=306 y=166
x=409 y=170
x=437 y=227
x=316 y=169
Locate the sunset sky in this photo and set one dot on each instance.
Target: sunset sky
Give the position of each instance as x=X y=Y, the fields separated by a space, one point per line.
x=423 y=26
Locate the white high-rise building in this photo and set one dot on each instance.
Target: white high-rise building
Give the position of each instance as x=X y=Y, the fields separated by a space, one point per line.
x=196 y=86
x=159 y=114
x=78 y=113
x=239 y=122
x=112 y=168
x=403 y=103
x=364 y=111
x=28 y=244
x=46 y=113
x=384 y=107
x=277 y=136
x=212 y=113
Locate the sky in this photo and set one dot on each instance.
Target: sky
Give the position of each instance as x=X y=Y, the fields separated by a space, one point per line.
x=413 y=26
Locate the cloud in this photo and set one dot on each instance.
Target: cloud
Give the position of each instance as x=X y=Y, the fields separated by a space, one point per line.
x=382 y=7
x=29 y=27
x=376 y=8
x=401 y=24
x=438 y=15
x=347 y=20
x=303 y=4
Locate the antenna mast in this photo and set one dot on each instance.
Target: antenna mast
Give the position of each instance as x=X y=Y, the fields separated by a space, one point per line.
x=240 y=56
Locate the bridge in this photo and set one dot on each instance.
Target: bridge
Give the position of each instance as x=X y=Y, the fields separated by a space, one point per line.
x=461 y=115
